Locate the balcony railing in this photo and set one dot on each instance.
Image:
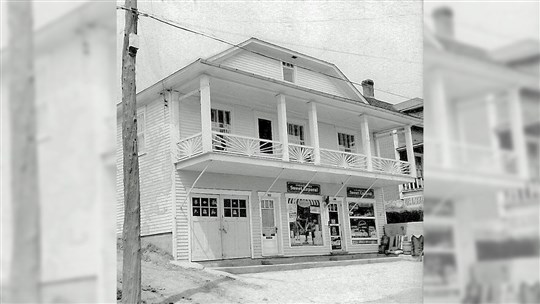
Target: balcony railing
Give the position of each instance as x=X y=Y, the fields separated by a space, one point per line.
x=417 y=185
x=301 y=154
x=246 y=146
x=227 y=143
x=471 y=157
x=342 y=159
x=392 y=166
x=189 y=147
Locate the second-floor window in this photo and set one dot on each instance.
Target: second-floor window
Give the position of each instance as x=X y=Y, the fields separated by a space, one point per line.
x=346 y=142
x=221 y=121
x=288 y=72
x=296 y=134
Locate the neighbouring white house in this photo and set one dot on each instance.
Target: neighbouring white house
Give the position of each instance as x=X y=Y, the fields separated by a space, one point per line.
x=262 y=151
x=481 y=170
x=75 y=111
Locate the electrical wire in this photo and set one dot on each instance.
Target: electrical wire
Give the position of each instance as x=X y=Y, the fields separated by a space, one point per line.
x=175 y=25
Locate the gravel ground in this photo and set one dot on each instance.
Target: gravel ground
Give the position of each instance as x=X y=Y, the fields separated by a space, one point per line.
x=393 y=282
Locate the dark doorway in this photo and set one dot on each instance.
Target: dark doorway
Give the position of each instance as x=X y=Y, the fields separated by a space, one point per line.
x=265 y=133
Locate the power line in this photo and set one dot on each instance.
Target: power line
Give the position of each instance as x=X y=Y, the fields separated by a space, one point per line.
x=306 y=46
x=174 y=24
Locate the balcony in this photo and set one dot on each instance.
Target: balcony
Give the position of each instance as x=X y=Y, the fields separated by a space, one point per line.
x=253 y=149
x=417 y=185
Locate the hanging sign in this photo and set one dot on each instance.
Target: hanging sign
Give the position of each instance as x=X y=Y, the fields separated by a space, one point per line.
x=293 y=187
x=359 y=192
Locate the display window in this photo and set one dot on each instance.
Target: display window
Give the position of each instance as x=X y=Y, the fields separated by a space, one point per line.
x=304 y=222
x=362 y=222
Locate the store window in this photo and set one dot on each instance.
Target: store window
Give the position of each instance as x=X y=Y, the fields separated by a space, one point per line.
x=204 y=206
x=346 y=142
x=234 y=208
x=296 y=134
x=362 y=223
x=288 y=72
x=304 y=222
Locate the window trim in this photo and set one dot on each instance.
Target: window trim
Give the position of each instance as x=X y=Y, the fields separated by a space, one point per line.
x=283 y=66
x=350 y=133
x=323 y=219
x=349 y=200
x=223 y=107
x=298 y=123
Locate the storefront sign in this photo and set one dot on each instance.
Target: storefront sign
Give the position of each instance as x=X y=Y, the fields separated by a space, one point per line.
x=360 y=192
x=293 y=187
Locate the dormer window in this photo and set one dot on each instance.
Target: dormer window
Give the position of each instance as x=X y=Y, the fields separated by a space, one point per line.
x=288 y=72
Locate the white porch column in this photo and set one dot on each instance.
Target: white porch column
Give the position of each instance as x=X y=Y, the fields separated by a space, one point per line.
x=410 y=150
x=366 y=140
x=206 y=119
x=314 y=131
x=282 y=125
x=440 y=115
x=518 y=132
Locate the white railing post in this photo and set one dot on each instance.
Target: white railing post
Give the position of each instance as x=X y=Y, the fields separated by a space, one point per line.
x=518 y=132
x=282 y=125
x=206 y=119
x=314 y=132
x=410 y=151
x=366 y=141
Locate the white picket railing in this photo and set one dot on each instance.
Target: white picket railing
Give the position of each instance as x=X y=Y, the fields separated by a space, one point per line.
x=392 y=166
x=190 y=146
x=343 y=159
x=417 y=185
x=301 y=154
x=247 y=146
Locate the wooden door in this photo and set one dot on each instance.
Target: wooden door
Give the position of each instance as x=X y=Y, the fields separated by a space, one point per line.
x=235 y=236
x=206 y=228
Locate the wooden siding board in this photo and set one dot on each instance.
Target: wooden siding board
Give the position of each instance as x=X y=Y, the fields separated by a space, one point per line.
x=155 y=173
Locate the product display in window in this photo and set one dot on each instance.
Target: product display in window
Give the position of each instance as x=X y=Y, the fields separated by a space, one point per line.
x=361 y=210
x=304 y=222
x=363 y=228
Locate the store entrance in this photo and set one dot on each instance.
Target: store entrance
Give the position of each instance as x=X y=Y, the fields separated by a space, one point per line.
x=220 y=227
x=334 y=224
x=269 y=227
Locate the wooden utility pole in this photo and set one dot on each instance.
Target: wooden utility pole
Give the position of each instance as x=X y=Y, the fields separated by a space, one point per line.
x=26 y=258
x=131 y=271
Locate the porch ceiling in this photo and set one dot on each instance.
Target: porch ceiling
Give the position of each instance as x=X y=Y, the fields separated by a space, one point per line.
x=239 y=165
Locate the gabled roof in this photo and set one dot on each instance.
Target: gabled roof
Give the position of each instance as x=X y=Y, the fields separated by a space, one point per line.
x=381 y=104
x=517 y=51
x=262 y=48
x=409 y=104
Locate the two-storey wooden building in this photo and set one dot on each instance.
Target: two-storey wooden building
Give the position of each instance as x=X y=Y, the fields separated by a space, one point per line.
x=262 y=151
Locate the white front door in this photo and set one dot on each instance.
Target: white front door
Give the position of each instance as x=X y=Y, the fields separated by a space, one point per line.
x=269 y=227
x=235 y=237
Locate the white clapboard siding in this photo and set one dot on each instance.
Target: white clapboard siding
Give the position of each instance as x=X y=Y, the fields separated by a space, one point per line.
x=154 y=172
x=190 y=117
x=256 y=64
x=317 y=81
x=328 y=136
x=271 y=68
x=182 y=218
x=256 y=241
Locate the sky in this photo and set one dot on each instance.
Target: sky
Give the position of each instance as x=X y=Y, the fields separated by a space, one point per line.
x=381 y=41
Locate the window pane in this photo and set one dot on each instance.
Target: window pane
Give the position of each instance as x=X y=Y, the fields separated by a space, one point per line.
x=361 y=210
x=242 y=203
x=363 y=228
x=196 y=201
x=235 y=213
x=243 y=213
x=213 y=202
x=228 y=117
x=213 y=212
x=288 y=74
x=235 y=203
x=227 y=202
x=227 y=212
x=204 y=211
x=220 y=117
x=196 y=211
x=304 y=223
x=204 y=201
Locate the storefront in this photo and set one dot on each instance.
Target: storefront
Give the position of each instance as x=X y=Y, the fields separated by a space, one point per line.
x=299 y=220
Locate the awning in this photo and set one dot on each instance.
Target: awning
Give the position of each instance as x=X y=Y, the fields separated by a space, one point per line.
x=302 y=202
